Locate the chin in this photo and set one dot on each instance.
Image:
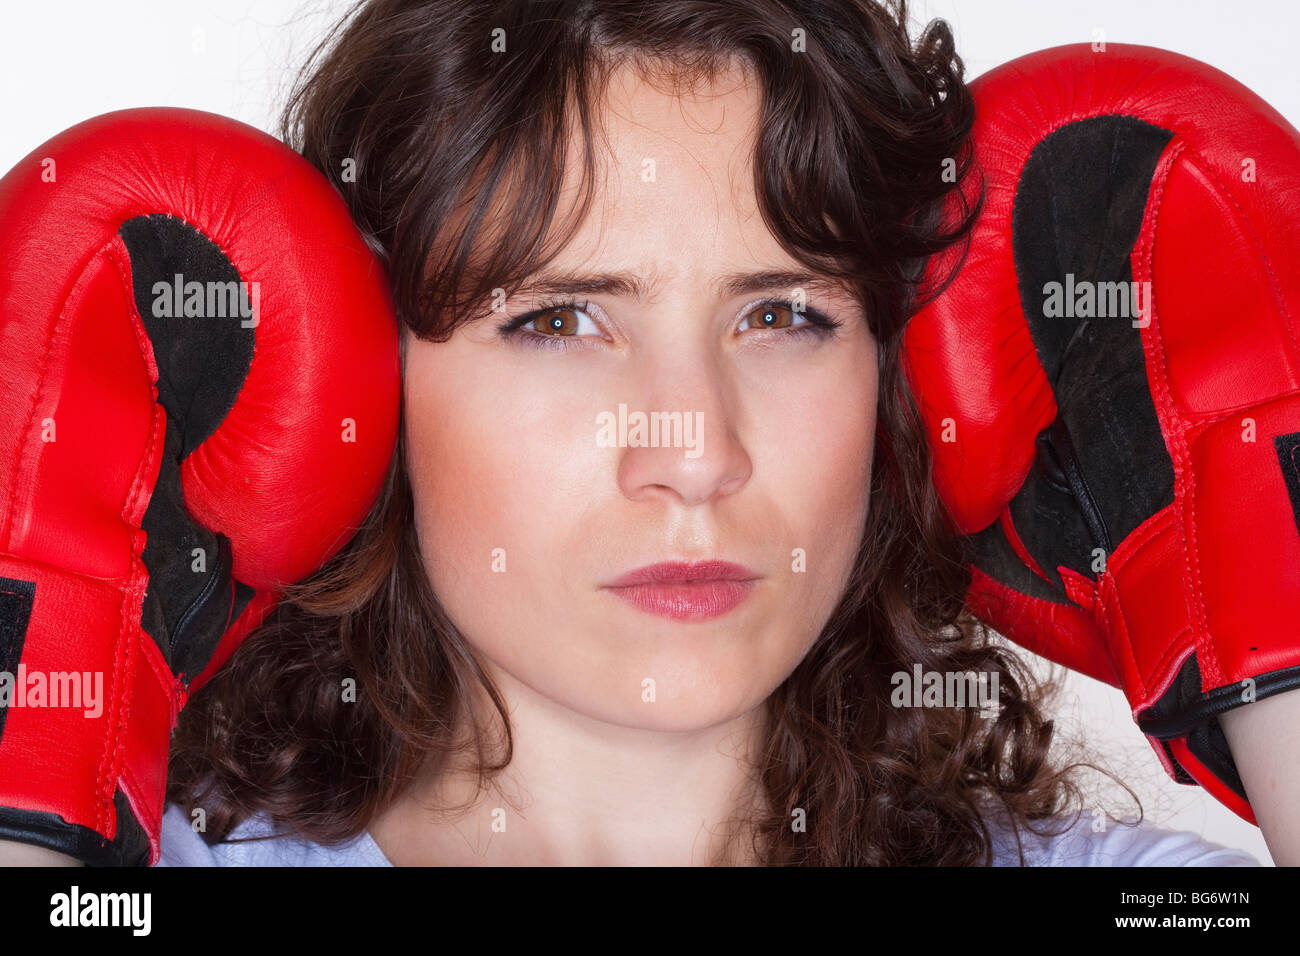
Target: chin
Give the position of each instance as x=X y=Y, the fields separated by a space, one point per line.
x=689 y=693
x=704 y=674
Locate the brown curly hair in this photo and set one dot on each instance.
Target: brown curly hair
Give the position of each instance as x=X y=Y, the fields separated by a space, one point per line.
x=853 y=138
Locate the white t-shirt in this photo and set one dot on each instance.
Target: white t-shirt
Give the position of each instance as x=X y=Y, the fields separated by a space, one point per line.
x=1081 y=845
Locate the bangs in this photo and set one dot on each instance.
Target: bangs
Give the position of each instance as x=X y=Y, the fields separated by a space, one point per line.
x=461 y=135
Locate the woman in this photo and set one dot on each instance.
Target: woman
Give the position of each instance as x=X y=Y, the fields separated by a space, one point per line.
x=660 y=532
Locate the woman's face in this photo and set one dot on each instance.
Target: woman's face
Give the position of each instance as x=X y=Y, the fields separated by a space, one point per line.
x=537 y=497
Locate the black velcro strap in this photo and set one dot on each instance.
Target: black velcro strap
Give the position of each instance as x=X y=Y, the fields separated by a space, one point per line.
x=16 y=599
x=49 y=830
x=1288 y=456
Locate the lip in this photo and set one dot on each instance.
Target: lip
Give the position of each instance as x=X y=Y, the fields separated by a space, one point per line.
x=686 y=591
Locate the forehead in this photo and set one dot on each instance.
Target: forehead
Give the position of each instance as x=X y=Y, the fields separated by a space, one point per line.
x=673 y=179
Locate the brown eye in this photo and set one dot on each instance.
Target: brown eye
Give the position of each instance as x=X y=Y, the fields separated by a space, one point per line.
x=771 y=316
x=557 y=322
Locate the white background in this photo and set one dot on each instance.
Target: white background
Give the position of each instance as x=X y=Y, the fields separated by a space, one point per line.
x=61 y=62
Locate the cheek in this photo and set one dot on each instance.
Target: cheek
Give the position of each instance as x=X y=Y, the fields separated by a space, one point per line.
x=499 y=472
x=813 y=461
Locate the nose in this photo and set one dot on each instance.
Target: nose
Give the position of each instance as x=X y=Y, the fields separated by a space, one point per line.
x=679 y=435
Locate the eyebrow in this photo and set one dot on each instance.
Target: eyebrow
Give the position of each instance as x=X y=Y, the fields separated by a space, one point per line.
x=640 y=286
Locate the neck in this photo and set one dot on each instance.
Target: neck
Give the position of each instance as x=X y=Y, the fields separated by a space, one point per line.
x=580 y=792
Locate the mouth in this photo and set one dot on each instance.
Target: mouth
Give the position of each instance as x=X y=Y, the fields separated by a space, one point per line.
x=686 y=592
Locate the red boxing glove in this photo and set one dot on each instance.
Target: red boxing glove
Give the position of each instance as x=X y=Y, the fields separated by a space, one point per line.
x=1112 y=386
x=199 y=405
